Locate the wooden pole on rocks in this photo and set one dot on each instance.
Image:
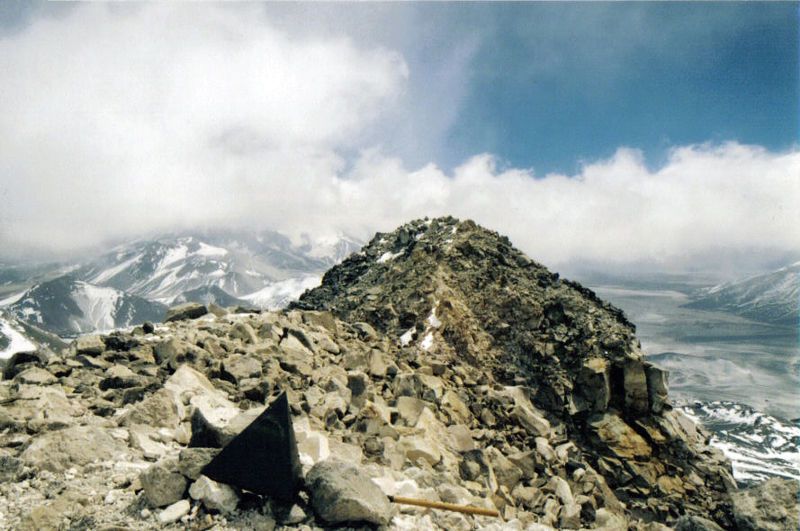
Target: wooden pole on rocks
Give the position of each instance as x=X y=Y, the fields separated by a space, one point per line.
x=466 y=509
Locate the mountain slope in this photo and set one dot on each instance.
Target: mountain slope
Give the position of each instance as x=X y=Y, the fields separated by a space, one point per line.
x=458 y=295
x=202 y=266
x=772 y=297
x=66 y=306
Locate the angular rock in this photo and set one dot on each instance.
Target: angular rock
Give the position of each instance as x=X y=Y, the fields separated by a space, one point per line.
x=59 y=450
x=157 y=410
x=620 y=438
x=695 y=523
x=174 y=512
x=35 y=376
x=342 y=493
x=635 y=383
x=89 y=345
x=263 y=458
x=592 y=386
x=162 y=483
x=191 y=461
x=214 y=496
x=657 y=387
x=189 y=310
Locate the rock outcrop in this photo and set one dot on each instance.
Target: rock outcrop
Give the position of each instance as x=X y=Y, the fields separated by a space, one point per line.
x=438 y=363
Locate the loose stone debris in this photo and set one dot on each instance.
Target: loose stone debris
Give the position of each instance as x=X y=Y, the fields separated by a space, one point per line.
x=438 y=363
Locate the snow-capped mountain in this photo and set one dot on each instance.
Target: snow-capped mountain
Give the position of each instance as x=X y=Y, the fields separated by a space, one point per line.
x=772 y=297
x=217 y=267
x=17 y=336
x=67 y=307
x=279 y=294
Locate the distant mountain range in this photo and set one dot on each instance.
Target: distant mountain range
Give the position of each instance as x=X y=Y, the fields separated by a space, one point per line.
x=136 y=281
x=771 y=297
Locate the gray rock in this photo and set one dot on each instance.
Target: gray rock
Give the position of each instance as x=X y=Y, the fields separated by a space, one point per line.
x=695 y=523
x=237 y=368
x=190 y=310
x=59 y=450
x=163 y=484
x=214 y=496
x=635 y=382
x=769 y=506
x=35 y=376
x=192 y=460
x=157 y=410
x=89 y=345
x=341 y=492
x=592 y=386
x=657 y=387
x=174 y=512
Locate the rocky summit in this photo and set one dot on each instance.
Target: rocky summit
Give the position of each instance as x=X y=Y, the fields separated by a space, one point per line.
x=438 y=363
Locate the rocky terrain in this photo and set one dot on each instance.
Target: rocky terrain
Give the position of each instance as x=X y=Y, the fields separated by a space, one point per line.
x=437 y=363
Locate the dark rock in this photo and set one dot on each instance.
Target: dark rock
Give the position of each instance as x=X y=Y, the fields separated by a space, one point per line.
x=191 y=461
x=20 y=361
x=189 y=310
x=695 y=523
x=263 y=458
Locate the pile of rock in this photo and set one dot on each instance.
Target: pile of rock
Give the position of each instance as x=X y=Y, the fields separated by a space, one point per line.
x=456 y=380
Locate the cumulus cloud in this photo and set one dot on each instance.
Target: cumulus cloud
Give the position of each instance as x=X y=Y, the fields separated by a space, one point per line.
x=117 y=123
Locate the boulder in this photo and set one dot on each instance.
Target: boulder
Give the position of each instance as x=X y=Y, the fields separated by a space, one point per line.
x=189 y=310
x=89 y=345
x=35 y=376
x=214 y=496
x=157 y=410
x=342 y=493
x=592 y=388
x=59 y=450
x=612 y=432
x=635 y=385
x=695 y=523
x=191 y=461
x=657 y=387
x=163 y=484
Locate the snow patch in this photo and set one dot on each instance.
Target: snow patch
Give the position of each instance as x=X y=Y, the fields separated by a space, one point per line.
x=279 y=294
x=388 y=256
x=12 y=299
x=406 y=338
x=210 y=250
x=97 y=304
x=427 y=342
x=17 y=342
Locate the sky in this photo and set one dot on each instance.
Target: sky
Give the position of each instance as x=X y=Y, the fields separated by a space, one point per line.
x=652 y=134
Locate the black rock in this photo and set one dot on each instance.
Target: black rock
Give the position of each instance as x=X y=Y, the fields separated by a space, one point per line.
x=263 y=458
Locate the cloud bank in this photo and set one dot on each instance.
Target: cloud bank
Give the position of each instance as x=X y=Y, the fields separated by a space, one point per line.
x=115 y=123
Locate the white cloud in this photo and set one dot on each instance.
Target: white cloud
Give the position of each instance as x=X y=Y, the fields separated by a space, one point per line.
x=114 y=123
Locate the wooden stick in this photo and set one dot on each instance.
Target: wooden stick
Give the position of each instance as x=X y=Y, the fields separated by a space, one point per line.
x=468 y=509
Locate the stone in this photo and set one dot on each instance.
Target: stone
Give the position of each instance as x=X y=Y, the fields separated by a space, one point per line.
x=593 y=391
x=191 y=461
x=695 y=523
x=19 y=361
x=244 y=332
x=263 y=458
x=620 y=438
x=507 y=473
x=342 y=493
x=771 y=505
x=35 y=376
x=534 y=424
x=409 y=409
x=174 y=512
x=237 y=368
x=214 y=496
x=417 y=447
x=455 y=407
x=657 y=387
x=90 y=345
x=163 y=484
x=157 y=410
x=10 y=468
x=59 y=450
x=210 y=421
x=570 y=516
x=635 y=385
x=189 y=310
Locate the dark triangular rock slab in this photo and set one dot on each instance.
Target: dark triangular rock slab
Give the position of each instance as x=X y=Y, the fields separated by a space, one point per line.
x=263 y=458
